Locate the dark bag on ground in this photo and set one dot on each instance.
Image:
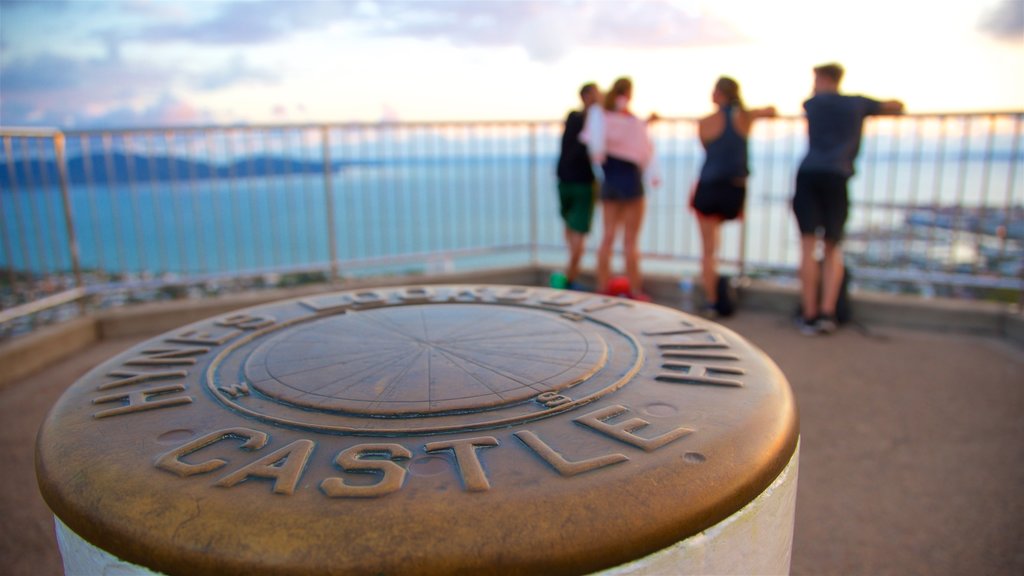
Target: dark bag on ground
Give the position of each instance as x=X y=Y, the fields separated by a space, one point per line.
x=725 y=297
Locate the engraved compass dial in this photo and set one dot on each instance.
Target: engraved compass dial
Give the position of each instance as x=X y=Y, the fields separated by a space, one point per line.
x=416 y=360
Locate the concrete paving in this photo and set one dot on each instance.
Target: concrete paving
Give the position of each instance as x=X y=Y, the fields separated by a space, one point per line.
x=912 y=455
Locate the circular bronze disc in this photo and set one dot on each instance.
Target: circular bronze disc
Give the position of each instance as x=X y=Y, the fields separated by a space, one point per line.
x=443 y=429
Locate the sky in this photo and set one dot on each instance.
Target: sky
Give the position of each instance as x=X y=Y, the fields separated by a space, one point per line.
x=155 y=63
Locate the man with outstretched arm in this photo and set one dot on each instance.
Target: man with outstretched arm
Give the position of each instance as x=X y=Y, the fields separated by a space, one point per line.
x=834 y=125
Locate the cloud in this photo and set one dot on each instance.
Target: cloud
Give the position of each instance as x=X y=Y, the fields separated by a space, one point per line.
x=548 y=30
x=236 y=71
x=1004 y=21
x=545 y=29
x=57 y=90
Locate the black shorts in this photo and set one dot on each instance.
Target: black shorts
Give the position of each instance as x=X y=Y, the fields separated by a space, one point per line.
x=821 y=203
x=719 y=198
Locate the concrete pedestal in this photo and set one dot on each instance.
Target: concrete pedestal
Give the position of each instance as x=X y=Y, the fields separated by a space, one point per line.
x=426 y=430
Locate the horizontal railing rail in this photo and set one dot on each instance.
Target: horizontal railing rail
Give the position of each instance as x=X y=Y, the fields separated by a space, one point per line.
x=937 y=206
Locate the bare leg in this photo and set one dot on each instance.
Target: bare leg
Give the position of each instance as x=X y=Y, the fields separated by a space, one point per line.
x=709 y=233
x=633 y=220
x=576 y=242
x=610 y=212
x=833 y=278
x=808 y=276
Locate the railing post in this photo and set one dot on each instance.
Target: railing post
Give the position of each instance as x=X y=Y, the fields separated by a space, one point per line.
x=534 y=202
x=332 y=246
x=69 y=222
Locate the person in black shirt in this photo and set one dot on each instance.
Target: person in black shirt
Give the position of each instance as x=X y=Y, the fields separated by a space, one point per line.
x=821 y=204
x=576 y=184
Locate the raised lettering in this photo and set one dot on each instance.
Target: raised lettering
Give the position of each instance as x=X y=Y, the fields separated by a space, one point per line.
x=473 y=476
x=416 y=295
x=623 y=431
x=606 y=303
x=283 y=466
x=167 y=356
x=140 y=400
x=559 y=463
x=369 y=459
x=700 y=375
x=127 y=378
x=171 y=460
x=330 y=303
x=246 y=321
x=514 y=294
x=202 y=338
x=236 y=390
x=552 y=399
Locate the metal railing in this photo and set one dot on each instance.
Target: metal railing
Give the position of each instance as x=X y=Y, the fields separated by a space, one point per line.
x=938 y=203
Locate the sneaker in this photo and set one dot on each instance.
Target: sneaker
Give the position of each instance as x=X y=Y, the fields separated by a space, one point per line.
x=576 y=286
x=826 y=324
x=709 y=311
x=808 y=327
x=640 y=297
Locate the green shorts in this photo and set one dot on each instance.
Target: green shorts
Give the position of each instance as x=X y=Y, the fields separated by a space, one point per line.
x=576 y=205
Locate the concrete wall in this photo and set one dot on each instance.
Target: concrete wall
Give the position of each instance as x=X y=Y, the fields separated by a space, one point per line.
x=25 y=355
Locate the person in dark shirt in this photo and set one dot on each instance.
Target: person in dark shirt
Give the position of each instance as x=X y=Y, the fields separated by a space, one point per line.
x=576 y=184
x=722 y=188
x=821 y=203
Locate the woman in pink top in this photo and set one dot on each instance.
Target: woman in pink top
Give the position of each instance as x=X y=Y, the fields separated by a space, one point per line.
x=619 y=143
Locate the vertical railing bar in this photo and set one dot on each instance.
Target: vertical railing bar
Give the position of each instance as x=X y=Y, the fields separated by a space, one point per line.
x=507 y=168
x=235 y=201
x=31 y=189
x=133 y=199
x=179 y=217
x=90 y=185
x=290 y=198
x=794 y=127
x=12 y=277
x=1011 y=178
x=197 y=222
x=213 y=183
x=8 y=255
x=940 y=162
x=984 y=190
x=961 y=189
x=309 y=197
x=909 y=234
x=256 y=240
x=164 y=265
x=33 y=201
x=272 y=194
x=54 y=240
x=362 y=219
x=534 y=199
x=332 y=247
x=19 y=220
x=399 y=203
x=108 y=160
x=768 y=193
x=62 y=174
x=422 y=224
x=869 y=179
x=893 y=155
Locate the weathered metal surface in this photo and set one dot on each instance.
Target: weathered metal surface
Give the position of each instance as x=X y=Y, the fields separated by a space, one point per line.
x=439 y=429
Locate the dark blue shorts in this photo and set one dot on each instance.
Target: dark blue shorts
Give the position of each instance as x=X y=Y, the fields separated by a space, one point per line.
x=622 y=180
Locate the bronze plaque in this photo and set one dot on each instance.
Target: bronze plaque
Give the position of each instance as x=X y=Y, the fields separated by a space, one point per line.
x=421 y=430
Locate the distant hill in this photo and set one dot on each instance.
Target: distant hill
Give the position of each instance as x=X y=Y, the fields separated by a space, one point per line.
x=123 y=168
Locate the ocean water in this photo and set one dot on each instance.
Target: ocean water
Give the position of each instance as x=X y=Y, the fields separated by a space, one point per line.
x=467 y=201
